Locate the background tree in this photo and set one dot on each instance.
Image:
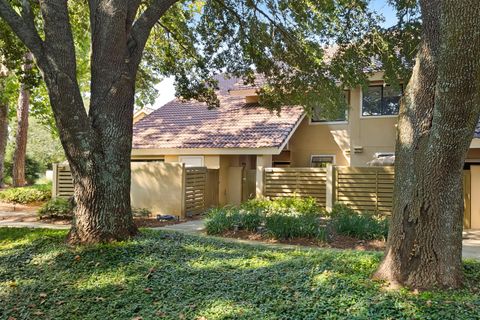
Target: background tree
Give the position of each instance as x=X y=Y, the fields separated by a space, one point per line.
x=23 y=109
x=3 y=122
x=437 y=119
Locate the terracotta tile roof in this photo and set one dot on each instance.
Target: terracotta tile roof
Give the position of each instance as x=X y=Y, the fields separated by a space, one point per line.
x=235 y=124
x=240 y=85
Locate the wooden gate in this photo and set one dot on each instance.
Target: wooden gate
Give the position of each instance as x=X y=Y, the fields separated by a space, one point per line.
x=195 y=190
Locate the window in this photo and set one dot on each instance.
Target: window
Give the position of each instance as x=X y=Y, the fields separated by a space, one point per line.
x=381 y=101
x=192 y=161
x=321 y=161
x=338 y=115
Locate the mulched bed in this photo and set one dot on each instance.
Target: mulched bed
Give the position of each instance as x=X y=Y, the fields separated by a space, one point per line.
x=31 y=216
x=339 y=242
x=152 y=222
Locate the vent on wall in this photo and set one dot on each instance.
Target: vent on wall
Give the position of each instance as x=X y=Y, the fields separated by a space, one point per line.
x=358 y=149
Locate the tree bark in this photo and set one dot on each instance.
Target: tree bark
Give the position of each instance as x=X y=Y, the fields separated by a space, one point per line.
x=3 y=139
x=98 y=144
x=437 y=119
x=23 y=108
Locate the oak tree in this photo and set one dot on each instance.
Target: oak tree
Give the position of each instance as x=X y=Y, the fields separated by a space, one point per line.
x=438 y=115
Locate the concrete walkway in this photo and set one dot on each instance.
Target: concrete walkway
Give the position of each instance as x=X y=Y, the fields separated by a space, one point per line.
x=195 y=226
x=471 y=238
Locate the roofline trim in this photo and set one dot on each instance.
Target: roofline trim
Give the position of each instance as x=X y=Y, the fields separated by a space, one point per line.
x=207 y=151
x=294 y=129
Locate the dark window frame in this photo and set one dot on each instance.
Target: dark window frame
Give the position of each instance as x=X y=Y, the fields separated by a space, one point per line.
x=340 y=121
x=383 y=107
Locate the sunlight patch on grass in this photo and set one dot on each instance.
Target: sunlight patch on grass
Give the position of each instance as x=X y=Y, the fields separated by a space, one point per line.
x=225 y=309
x=236 y=263
x=98 y=280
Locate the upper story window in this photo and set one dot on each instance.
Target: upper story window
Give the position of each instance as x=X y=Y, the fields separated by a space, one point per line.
x=338 y=115
x=381 y=100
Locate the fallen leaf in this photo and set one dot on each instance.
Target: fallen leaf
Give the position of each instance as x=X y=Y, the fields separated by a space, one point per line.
x=77 y=258
x=147 y=290
x=38 y=313
x=43 y=295
x=11 y=318
x=137 y=318
x=160 y=314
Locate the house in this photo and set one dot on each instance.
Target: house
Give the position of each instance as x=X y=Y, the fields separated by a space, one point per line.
x=141 y=113
x=239 y=139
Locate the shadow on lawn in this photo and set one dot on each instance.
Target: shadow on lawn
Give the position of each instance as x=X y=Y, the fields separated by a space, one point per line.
x=173 y=275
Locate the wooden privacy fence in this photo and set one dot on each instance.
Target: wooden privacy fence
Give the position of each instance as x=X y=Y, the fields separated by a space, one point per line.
x=361 y=188
x=364 y=189
x=195 y=190
x=163 y=188
x=300 y=182
x=62 y=181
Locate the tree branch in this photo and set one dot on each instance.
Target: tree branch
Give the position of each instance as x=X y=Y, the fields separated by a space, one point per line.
x=142 y=27
x=59 y=45
x=177 y=40
x=24 y=28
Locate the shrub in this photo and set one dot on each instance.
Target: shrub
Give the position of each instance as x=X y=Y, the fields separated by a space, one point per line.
x=282 y=225
x=365 y=226
x=220 y=220
x=32 y=170
x=141 y=212
x=284 y=218
x=56 y=208
x=25 y=195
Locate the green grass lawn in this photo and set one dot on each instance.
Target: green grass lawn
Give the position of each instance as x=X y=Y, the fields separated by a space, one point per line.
x=185 y=277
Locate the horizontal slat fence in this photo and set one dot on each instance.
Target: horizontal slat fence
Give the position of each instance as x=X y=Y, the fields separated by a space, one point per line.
x=300 y=182
x=195 y=190
x=63 y=181
x=369 y=188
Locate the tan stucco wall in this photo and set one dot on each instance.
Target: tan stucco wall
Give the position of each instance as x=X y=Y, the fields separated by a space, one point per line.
x=318 y=139
x=157 y=186
x=212 y=162
x=170 y=158
x=370 y=134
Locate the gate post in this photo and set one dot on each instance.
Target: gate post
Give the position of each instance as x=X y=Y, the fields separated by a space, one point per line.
x=184 y=190
x=330 y=186
x=263 y=161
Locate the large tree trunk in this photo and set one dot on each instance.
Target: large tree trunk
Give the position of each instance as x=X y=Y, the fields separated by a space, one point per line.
x=23 y=108
x=3 y=139
x=436 y=124
x=98 y=144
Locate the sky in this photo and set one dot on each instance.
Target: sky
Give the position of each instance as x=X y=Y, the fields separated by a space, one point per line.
x=166 y=88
